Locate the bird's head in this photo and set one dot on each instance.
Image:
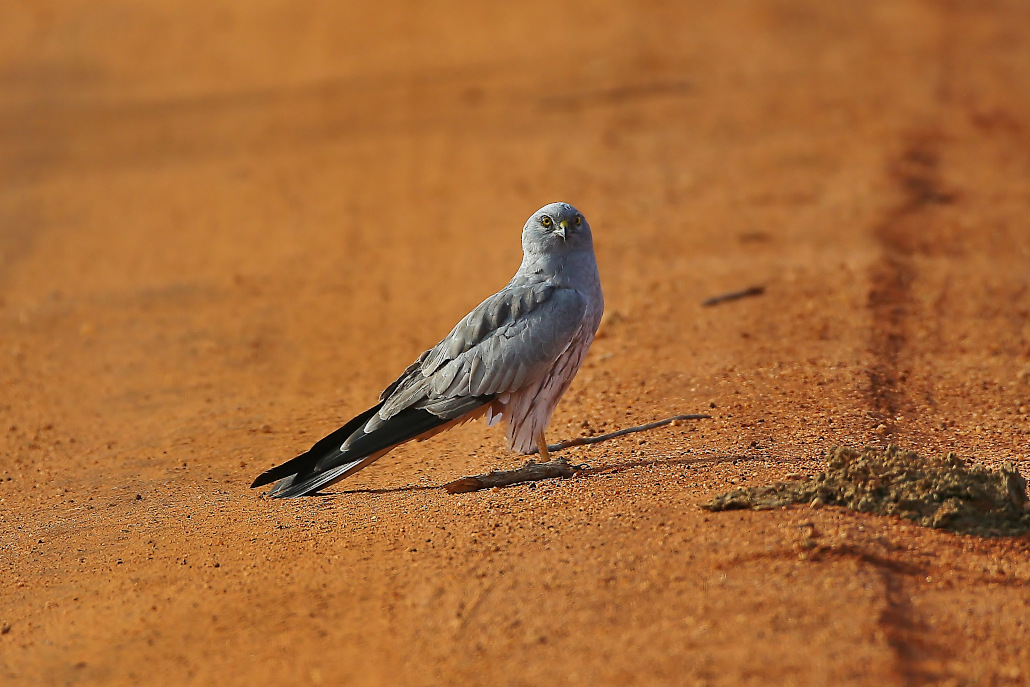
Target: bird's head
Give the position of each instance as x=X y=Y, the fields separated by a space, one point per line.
x=555 y=229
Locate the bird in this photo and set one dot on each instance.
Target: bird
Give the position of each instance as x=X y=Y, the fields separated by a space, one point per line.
x=511 y=359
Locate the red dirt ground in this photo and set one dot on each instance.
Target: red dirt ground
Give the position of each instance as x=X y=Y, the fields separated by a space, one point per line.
x=224 y=227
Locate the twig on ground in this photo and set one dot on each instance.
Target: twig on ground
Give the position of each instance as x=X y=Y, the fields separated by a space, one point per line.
x=533 y=471
x=529 y=472
x=582 y=441
x=734 y=295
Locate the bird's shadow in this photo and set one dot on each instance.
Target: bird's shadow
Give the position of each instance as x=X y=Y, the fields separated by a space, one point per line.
x=585 y=473
x=630 y=465
x=390 y=490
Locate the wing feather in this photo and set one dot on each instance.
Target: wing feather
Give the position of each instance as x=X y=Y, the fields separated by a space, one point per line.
x=519 y=348
x=508 y=338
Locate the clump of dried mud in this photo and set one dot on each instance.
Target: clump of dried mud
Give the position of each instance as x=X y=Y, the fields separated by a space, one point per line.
x=935 y=492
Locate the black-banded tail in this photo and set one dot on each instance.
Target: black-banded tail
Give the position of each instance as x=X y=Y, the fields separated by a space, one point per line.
x=328 y=461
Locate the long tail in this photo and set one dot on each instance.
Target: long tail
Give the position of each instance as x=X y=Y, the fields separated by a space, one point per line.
x=328 y=461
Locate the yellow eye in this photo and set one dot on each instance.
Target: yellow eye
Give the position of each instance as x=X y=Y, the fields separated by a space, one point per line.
x=546 y=221
x=579 y=219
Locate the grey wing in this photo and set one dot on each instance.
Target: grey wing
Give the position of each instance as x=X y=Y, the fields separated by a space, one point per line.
x=511 y=337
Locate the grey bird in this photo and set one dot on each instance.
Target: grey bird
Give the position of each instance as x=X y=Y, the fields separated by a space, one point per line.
x=510 y=359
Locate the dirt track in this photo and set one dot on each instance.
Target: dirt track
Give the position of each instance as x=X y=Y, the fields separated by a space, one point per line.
x=224 y=227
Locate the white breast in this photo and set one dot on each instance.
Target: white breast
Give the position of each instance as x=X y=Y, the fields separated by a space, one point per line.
x=529 y=409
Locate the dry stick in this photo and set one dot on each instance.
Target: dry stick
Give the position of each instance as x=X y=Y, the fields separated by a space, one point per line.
x=581 y=441
x=734 y=295
x=533 y=471
x=527 y=473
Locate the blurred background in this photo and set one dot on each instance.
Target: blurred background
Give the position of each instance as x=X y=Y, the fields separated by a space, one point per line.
x=266 y=183
x=225 y=226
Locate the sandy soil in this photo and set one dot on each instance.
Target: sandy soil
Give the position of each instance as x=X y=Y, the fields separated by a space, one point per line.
x=224 y=227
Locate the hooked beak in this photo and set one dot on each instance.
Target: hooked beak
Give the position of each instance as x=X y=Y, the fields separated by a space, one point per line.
x=563 y=228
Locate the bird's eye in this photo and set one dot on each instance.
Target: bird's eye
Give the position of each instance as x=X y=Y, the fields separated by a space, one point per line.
x=546 y=221
x=579 y=220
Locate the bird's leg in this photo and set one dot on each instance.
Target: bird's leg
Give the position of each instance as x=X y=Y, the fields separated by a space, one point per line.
x=541 y=447
x=542 y=450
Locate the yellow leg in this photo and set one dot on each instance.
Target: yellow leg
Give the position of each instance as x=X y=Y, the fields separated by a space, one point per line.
x=541 y=446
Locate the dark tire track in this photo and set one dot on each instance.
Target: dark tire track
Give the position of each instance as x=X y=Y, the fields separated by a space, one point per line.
x=907 y=230
x=903 y=631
